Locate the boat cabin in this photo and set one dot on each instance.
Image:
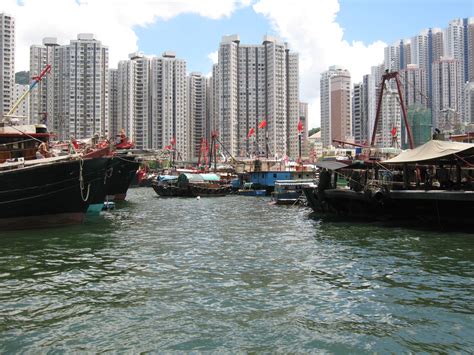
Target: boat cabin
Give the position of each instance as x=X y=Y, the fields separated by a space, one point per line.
x=21 y=141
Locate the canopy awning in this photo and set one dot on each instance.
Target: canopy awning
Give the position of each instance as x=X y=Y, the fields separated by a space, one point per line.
x=331 y=164
x=432 y=150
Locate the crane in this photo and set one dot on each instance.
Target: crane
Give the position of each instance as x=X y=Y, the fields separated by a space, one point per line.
x=36 y=80
x=386 y=77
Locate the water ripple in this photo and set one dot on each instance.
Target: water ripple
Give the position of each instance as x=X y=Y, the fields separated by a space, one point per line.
x=233 y=274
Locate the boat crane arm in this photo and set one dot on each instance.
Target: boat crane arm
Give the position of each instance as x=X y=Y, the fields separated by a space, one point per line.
x=36 y=80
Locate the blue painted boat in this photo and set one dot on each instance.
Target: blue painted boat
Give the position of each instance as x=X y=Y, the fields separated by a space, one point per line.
x=249 y=189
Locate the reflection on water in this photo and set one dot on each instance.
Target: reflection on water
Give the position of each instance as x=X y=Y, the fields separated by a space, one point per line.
x=233 y=274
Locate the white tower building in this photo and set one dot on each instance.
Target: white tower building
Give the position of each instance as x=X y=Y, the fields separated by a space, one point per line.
x=7 y=62
x=43 y=96
x=447 y=93
x=197 y=111
x=168 y=122
x=336 y=108
x=81 y=88
x=255 y=83
x=22 y=110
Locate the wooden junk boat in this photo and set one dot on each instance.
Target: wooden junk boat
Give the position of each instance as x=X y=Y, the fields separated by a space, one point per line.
x=191 y=185
x=47 y=191
x=432 y=184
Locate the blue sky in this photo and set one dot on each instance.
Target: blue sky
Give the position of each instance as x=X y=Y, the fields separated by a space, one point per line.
x=362 y=20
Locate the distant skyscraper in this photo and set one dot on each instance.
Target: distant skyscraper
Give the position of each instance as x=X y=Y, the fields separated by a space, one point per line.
x=357 y=105
x=336 y=120
x=389 y=125
x=42 y=98
x=392 y=57
x=446 y=92
x=454 y=44
x=420 y=56
x=169 y=117
x=81 y=88
x=360 y=111
x=470 y=48
x=374 y=80
x=113 y=102
x=469 y=102
x=133 y=99
x=303 y=116
x=415 y=86
x=256 y=83
x=213 y=101
x=7 y=62
x=197 y=111
x=22 y=111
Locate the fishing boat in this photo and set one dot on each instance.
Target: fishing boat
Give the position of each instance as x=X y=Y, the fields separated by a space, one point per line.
x=121 y=171
x=290 y=192
x=191 y=185
x=431 y=184
x=47 y=191
x=251 y=189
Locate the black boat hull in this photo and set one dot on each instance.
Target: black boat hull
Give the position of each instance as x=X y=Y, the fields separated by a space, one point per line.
x=120 y=174
x=436 y=207
x=49 y=194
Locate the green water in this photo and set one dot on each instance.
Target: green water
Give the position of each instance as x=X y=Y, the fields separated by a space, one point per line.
x=233 y=274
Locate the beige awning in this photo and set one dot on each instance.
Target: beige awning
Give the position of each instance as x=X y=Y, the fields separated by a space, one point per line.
x=432 y=150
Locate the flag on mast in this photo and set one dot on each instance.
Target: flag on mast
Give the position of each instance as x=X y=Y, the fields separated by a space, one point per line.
x=251 y=132
x=300 y=126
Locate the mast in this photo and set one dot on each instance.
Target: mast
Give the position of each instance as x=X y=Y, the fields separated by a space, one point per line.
x=387 y=77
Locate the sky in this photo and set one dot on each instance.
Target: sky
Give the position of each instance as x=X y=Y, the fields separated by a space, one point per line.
x=350 y=33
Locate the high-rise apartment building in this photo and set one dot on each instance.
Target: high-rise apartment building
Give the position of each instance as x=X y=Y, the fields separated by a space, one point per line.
x=80 y=88
x=454 y=44
x=7 y=62
x=447 y=93
x=213 y=101
x=336 y=109
x=469 y=62
x=357 y=105
x=304 y=118
x=197 y=111
x=360 y=111
x=415 y=86
x=258 y=83
x=113 y=103
x=22 y=111
x=469 y=102
x=392 y=59
x=389 y=127
x=169 y=117
x=151 y=102
x=133 y=98
x=43 y=97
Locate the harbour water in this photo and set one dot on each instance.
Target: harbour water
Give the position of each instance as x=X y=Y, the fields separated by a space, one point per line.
x=233 y=274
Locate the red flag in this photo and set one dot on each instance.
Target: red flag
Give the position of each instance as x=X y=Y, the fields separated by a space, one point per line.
x=300 y=126
x=168 y=147
x=394 y=131
x=251 y=132
x=173 y=141
x=262 y=124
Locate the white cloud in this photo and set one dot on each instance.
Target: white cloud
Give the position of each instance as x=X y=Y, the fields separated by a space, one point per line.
x=112 y=21
x=213 y=57
x=311 y=29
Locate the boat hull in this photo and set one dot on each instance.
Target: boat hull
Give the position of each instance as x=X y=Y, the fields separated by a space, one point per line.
x=433 y=207
x=123 y=170
x=50 y=194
